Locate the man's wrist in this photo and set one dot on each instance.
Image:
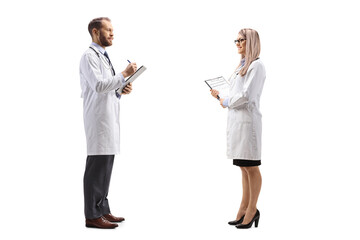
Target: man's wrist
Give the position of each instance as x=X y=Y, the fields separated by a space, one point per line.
x=124 y=74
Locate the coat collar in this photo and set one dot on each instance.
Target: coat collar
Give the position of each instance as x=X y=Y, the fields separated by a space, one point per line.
x=97 y=47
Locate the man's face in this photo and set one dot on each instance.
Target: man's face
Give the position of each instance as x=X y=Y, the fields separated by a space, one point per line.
x=106 y=33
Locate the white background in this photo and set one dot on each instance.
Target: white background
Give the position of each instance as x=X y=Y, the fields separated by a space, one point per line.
x=172 y=179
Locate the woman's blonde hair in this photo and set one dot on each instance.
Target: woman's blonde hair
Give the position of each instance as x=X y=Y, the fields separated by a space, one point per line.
x=252 y=47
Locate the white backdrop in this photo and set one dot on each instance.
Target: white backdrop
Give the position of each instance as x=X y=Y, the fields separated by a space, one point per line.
x=172 y=179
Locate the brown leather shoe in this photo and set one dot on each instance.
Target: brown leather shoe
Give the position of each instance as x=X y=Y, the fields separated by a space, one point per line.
x=112 y=218
x=100 y=222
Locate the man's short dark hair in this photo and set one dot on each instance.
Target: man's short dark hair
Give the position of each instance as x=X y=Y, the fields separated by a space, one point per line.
x=96 y=23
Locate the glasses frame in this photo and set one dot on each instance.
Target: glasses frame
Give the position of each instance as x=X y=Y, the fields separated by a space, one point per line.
x=240 y=40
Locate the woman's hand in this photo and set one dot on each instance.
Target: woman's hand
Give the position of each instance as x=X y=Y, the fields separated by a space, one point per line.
x=221 y=102
x=214 y=93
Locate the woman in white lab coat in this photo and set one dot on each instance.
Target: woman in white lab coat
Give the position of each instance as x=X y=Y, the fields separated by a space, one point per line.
x=244 y=124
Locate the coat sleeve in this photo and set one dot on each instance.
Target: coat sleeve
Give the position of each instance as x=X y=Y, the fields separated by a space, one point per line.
x=91 y=70
x=252 y=87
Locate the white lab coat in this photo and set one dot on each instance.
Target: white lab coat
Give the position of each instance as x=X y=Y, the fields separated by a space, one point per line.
x=101 y=106
x=244 y=117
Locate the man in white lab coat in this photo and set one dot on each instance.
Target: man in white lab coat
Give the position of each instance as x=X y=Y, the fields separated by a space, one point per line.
x=99 y=83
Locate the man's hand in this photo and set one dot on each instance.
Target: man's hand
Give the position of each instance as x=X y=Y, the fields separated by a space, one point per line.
x=129 y=70
x=127 y=89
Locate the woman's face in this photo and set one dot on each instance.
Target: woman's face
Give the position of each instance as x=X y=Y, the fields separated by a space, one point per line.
x=241 y=45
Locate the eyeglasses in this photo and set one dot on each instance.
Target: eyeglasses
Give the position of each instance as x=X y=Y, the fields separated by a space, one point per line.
x=240 y=40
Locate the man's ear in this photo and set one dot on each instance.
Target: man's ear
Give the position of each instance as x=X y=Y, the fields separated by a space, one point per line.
x=94 y=32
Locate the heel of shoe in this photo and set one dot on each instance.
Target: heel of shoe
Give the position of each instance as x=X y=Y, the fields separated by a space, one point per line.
x=257 y=222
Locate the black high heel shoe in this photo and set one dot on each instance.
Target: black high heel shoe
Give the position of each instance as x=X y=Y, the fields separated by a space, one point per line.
x=255 y=219
x=236 y=222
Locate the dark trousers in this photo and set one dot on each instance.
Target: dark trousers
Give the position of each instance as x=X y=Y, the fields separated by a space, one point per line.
x=96 y=185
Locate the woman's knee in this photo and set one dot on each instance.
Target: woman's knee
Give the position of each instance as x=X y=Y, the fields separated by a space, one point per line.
x=251 y=170
x=244 y=170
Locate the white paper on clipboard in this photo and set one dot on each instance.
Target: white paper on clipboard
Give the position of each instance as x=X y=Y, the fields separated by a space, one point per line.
x=220 y=84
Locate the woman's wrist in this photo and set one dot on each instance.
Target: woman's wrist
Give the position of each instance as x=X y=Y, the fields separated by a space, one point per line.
x=225 y=102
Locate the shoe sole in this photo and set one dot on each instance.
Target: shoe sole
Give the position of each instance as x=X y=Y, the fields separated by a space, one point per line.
x=116 y=221
x=92 y=226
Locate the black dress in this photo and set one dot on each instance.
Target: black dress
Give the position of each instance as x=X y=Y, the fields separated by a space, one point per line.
x=246 y=163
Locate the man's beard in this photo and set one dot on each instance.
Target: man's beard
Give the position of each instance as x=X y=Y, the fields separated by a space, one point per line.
x=104 y=42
